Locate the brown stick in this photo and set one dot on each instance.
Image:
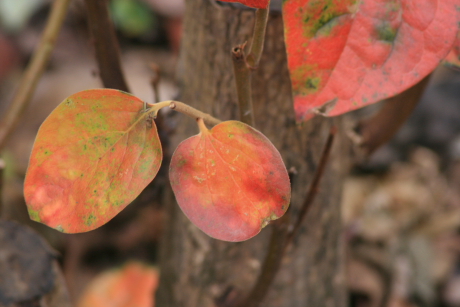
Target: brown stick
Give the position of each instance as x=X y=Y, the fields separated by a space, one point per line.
x=106 y=45
x=34 y=70
x=380 y=128
x=258 y=37
x=283 y=234
x=243 y=85
x=2 y=207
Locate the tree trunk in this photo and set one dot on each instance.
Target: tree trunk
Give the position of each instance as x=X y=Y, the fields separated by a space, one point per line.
x=198 y=271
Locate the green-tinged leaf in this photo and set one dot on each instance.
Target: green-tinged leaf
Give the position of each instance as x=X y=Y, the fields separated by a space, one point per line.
x=345 y=54
x=93 y=155
x=230 y=181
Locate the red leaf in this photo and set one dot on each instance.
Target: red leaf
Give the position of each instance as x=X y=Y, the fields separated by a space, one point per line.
x=345 y=54
x=230 y=181
x=258 y=4
x=453 y=58
x=92 y=156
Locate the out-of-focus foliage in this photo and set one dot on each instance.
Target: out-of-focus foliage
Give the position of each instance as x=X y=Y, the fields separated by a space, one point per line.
x=133 y=18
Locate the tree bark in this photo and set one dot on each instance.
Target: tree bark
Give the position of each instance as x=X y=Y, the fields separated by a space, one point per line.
x=198 y=271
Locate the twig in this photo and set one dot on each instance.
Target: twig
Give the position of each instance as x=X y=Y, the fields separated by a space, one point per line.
x=243 y=85
x=184 y=109
x=106 y=45
x=244 y=65
x=258 y=37
x=313 y=191
x=34 y=70
x=380 y=128
x=2 y=167
x=193 y=113
x=283 y=234
x=155 y=81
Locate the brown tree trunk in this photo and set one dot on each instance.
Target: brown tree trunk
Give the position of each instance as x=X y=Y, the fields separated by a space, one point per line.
x=196 y=270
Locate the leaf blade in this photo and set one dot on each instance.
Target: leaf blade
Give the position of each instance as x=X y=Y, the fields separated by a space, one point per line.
x=92 y=156
x=230 y=181
x=343 y=55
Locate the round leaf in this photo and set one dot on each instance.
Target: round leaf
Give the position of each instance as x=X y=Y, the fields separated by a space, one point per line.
x=343 y=55
x=93 y=155
x=230 y=181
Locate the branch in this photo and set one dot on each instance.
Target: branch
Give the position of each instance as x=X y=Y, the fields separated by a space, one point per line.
x=258 y=37
x=283 y=234
x=2 y=207
x=106 y=45
x=34 y=70
x=243 y=66
x=184 y=109
x=243 y=85
x=380 y=128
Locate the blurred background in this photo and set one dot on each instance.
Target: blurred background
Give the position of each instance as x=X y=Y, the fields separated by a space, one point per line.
x=401 y=208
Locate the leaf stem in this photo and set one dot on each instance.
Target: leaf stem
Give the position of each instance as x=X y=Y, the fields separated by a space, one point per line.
x=106 y=46
x=202 y=126
x=283 y=233
x=34 y=70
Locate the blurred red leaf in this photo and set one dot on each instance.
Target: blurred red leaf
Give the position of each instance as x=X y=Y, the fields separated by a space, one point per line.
x=345 y=54
x=93 y=155
x=133 y=285
x=258 y=4
x=230 y=181
x=453 y=58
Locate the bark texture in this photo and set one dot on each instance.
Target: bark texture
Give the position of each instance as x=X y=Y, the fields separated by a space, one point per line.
x=198 y=271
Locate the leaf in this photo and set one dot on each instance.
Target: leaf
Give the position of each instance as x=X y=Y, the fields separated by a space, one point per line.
x=453 y=58
x=258 y=4
x=133 y=285
x=93 y=155
x=230 y=181
x=345 y=54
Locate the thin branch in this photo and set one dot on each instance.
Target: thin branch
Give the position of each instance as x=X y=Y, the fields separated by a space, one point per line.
x=2 y=207
x=258 y=37
x=243 y=85
x=34 y=70
x=283 y=234
x=106 y=45
x=243 y=66
x=155 y=81
x=314 y=187
x=193 y=113
x=380 y=128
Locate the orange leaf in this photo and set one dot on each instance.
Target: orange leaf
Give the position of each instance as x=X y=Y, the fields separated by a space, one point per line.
x=230 y=181
x=93 y=155
x=134 y=285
